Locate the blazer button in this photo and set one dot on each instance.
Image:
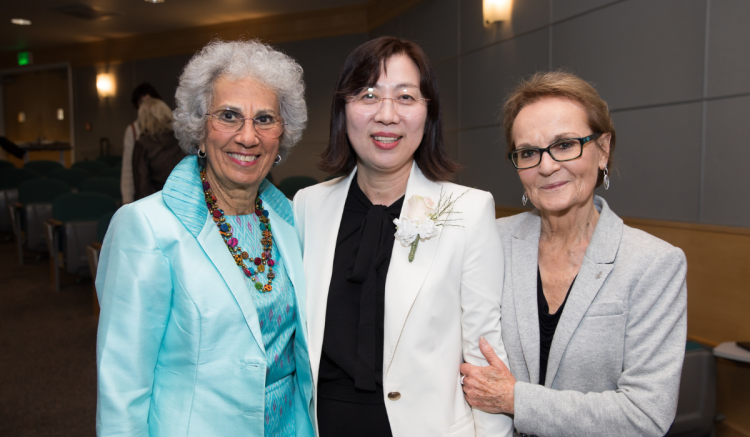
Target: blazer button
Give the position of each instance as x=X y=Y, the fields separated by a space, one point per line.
x=394 y=395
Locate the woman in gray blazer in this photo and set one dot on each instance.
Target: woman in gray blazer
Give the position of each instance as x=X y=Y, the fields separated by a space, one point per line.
x=593 y=312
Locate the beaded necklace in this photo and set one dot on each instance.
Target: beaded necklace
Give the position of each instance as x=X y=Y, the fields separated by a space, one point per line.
x=225 y=229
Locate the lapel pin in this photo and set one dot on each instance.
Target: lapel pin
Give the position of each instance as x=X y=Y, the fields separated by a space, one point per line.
x=598 y=275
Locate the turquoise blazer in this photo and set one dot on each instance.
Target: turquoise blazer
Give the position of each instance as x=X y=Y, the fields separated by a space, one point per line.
x=179 y=348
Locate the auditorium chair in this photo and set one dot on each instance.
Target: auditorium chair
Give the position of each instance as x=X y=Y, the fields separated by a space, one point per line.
x=71 y=176
x=43 y=167
x=10 y=179
x=72 y=228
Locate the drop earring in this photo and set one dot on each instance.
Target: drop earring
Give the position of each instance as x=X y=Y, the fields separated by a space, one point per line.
x=524 y=199
x=606 y=178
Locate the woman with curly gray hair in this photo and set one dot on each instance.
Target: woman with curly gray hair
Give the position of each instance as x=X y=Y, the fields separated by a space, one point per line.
x=201 y=287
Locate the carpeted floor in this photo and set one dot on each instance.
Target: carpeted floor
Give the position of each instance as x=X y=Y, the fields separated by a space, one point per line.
x=47 y=351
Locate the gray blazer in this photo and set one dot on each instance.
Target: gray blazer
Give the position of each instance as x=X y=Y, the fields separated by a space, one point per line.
x=616 y=358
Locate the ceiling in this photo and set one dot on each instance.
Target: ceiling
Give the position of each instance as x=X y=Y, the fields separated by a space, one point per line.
x=50 y=27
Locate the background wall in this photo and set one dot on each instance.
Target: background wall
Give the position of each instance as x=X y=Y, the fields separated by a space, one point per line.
x=674 y=72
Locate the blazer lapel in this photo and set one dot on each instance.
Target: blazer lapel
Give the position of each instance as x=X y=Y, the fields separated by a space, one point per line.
x=597 y=265
x=217 y=251
x=405 y=278
x=322 y=220
x=525 y=261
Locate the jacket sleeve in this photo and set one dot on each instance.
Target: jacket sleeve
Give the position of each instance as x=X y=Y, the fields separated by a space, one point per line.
x=134 y=287
x=481 y=296
x=645 y=401
x=298 y=206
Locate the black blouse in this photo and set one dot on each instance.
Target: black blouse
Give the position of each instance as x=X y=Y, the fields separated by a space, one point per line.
x=351 y=365
x=547 y=324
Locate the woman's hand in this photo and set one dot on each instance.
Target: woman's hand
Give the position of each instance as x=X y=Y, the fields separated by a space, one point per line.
x=489 y=389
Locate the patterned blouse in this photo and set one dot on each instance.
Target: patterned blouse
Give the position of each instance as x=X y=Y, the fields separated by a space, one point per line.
x=277 y=312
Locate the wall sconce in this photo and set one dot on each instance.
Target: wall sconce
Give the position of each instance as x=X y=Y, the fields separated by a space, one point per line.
x=60 y=114
x=21 y=117
x=105 y=85
x=496 y=10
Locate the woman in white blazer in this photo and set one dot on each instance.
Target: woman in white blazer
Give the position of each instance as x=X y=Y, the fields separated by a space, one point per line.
x=594 y=312
x=393 y=315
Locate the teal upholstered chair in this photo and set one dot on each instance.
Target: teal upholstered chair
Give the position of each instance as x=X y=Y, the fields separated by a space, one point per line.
x=10 y=179
x=112 y=173
x=73 y=228
x=94 y=167
x=289 y=186
x=111 y=160
x=6 y=164
x=102 y=185
x=33 y=209
x=71 y=176
x=43 y=167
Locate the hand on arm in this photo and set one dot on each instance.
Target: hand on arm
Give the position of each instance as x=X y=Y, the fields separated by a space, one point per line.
x=490 y=388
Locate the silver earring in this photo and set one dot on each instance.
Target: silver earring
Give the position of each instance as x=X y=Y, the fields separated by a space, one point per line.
x=524 y=199
x=277 y=160
x=606 y=178
x=201 y=154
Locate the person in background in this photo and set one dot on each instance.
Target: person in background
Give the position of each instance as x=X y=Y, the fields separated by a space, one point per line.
x=201 y=286
x=157 y=151
x=594 y=312
x=141 y=93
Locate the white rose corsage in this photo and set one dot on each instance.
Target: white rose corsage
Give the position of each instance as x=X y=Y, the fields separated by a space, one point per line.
x=422 y=218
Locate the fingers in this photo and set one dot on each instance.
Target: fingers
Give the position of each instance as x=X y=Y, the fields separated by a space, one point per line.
x=489 y=354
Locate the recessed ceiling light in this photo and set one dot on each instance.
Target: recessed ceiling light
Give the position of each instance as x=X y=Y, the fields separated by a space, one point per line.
x=155 y=1
x=21 y=21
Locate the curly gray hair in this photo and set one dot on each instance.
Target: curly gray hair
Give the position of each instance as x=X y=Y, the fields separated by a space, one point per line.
x=238 y=60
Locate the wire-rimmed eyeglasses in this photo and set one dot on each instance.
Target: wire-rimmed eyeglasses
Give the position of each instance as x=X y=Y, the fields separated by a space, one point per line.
x=407 y=101
x=230 y=121
x=563 y=150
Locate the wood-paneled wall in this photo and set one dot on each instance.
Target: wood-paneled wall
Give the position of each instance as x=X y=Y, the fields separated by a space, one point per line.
x=272 y=29
x=38 y=94
x=718 y=302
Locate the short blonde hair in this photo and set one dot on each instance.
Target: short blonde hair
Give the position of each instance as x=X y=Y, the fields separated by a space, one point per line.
x=566 y=85
x=154 y=117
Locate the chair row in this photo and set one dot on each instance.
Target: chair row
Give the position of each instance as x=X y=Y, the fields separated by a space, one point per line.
x=102 y=166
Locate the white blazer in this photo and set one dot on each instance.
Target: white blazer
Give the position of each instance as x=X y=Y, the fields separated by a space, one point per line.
x=436 y=307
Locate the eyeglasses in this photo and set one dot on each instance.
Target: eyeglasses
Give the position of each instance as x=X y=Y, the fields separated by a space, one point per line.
x=561 y=151
x=408 y=102
x=229 y=121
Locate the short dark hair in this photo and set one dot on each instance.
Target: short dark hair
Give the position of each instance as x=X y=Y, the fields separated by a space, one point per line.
x=362 y=69
x=144 y=89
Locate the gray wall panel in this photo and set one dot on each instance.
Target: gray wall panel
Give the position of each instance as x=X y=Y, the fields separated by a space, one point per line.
x=728 y=42
x=485 y=165
x=657 y=164
x=391 y=28
x=489 y=74
x=639 y=52
x=433 y=25
x=527 y=15
x=562 y=9
x=162 y=73
x=725 y=198
x=447 y=76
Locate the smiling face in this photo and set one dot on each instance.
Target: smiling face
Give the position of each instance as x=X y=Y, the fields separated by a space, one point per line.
x=240 y=160
x=385 y=141
x=557 y=186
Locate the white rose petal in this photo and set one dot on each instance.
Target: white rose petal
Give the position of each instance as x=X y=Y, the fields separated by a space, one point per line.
x=427 y=229
x=417 y=208
x=406 y=232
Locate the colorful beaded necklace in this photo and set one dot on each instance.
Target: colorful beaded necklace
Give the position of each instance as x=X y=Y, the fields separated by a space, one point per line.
x=225 y=229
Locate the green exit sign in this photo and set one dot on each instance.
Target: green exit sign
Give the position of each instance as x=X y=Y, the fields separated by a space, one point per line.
x=24 y=58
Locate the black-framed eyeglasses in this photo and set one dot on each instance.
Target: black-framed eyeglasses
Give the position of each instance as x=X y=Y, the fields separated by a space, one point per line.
x=230 y=121
x=563 y=150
